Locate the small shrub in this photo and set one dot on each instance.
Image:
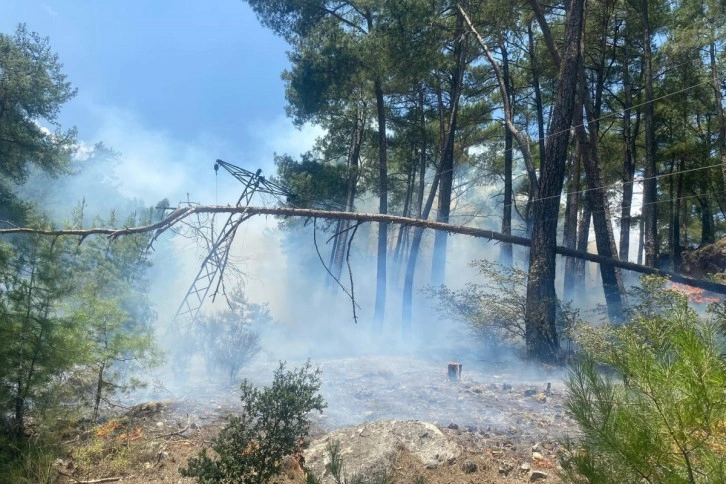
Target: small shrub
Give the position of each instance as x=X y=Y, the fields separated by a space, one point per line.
x=251 y=448
x=231 y=338
x=494 y=307
x=658 y=414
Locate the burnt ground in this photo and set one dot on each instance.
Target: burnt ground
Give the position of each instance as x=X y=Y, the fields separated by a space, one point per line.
x=508 y=423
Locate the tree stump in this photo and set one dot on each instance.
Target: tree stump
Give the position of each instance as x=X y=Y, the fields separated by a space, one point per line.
x=454 y=371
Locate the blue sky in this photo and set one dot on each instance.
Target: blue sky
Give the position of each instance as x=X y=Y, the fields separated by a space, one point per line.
x=170 y=84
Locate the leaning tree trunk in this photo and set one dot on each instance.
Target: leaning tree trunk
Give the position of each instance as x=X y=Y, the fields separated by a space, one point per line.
x=599 y=206
x=505 y=91
x=541 y=311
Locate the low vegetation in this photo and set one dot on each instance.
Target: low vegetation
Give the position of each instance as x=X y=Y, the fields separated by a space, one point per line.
x=648 y=396
x=493 y=307
x=252 y=447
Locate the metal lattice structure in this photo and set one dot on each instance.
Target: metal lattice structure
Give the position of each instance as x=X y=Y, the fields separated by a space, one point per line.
x=211 y=272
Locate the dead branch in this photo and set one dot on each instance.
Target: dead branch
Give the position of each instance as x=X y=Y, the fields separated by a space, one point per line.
x=182 y=213
x=350 y=271
x=177 y=432
x=317 y=250
x=92 y=481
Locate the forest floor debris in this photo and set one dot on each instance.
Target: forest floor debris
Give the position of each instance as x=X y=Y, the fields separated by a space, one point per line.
x=505 y=427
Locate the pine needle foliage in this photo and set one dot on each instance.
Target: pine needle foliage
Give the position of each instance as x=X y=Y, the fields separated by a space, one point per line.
x=649 y=397
x=251 y=448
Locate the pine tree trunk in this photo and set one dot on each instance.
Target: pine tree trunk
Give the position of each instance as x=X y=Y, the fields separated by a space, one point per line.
x=572 y=208
x=407 y=303
x=677 y=245
x=403 y=231
x=540 y=315
x=505 y=255
x=707 y=228
x=380 y=308
x=97 y=396
x=537 y=94
x=650 y=187
x=628 y=170
x=438 y=270
x=341 y=241
x=599 y=207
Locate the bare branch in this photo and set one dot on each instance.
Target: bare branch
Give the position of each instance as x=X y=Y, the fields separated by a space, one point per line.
x=350 y=271
x=317 y=250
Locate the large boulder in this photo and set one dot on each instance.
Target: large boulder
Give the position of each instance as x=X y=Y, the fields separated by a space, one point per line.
x=370 y=448
x=709 y=259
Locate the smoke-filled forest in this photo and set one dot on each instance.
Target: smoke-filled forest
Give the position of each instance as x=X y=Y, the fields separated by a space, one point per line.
x=510 y=224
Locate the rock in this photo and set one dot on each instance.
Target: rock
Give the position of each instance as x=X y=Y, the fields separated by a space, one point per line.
x=537 y=456
x=526 y=466
x=506 y=386
x=537 y=475
x=709 y=259
x=468 y=467
x=536 y=448
x=366 y=447
x=541 y=398
x=530 y=393
x=147 y=408
x=453 y=426
x=505 y=468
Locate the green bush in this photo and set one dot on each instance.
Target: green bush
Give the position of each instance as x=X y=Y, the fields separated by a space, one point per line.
x=649 y=397
x=494 y=306
x=252 y=446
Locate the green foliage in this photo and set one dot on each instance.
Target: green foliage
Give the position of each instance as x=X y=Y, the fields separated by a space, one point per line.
x=33 y=89
x=27 y=461
x=658 y=413
x=40 y=341
x=315 y=184
x=253 y=444
x=75 y=320
x=494 y=307
x=111 y=305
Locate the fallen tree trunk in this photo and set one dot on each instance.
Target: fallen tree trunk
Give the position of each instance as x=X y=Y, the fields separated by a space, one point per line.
x=181 y=213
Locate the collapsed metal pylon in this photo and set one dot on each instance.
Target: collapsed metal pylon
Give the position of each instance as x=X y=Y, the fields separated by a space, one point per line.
x=211 y=272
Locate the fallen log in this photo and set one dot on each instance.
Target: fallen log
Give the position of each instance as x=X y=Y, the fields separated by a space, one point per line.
x=183 y=212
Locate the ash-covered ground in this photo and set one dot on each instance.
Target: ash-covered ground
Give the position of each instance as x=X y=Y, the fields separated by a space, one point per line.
x=504 y=399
